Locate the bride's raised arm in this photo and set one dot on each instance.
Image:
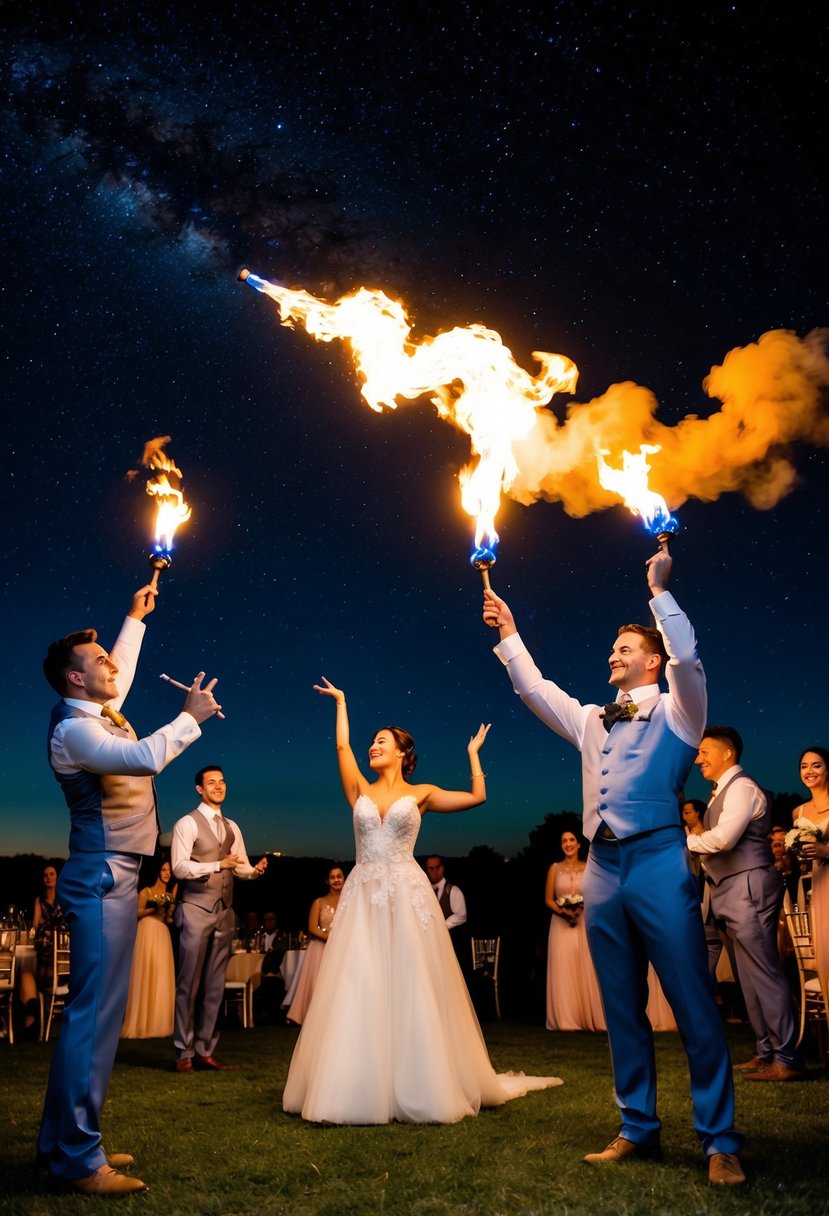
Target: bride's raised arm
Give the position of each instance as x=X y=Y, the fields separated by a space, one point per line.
x=353 y=781
x=438 y=799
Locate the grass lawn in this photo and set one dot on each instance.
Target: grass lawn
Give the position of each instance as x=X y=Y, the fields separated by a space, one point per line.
x=219 y=1144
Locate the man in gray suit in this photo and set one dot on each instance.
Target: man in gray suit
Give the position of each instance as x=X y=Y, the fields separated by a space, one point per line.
x=207 y=851
x=744 y=887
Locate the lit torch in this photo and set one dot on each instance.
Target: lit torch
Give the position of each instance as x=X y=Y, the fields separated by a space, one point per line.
x=171 y=509
x=469 y=375
x=631 y=484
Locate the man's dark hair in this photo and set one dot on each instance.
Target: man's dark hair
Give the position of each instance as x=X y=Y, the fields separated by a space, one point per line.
x=726 y=734
x=208 y=768
x=61 y=658
x=435 y=857
x=652 y=640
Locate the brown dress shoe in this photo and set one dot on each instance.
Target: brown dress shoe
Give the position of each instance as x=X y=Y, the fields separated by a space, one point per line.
x=107 y=1181
x=120 y=1161
x=619 y=1150
x=211 y=1064
x=724 y=1169
x=185 y=1064
x=777 y=1072
x=755 y=1064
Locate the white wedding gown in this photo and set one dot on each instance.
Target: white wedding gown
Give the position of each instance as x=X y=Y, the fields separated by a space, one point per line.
x=391 y=1032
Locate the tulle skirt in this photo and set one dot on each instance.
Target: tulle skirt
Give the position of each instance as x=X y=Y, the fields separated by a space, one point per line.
x=391 y=1032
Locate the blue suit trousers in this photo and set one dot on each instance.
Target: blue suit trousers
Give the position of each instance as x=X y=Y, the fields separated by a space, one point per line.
x=98 y=895
x=642 y=903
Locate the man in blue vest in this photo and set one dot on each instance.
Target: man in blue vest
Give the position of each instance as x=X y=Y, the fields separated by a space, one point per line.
x=745 y=892
x=641 y=898
x=106 y=774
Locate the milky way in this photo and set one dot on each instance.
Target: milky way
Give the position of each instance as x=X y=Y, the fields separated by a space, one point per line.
x=639 y=189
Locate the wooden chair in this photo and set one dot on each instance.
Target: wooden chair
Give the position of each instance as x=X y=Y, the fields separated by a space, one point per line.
x=8 y=943
x=239 y=994
x=55 y=998
x=812 y=1004
x=486 y=957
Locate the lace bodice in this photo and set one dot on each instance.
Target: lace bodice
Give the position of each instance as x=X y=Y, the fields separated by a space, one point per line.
x=390 y=838
x=385 y=857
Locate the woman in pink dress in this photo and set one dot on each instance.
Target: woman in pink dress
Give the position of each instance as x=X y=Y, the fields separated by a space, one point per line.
x=152 y=991
x=320 y=920
x=814 y=773
x=573 y=999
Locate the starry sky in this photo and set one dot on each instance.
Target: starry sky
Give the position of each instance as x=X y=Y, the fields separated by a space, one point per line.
x=637 y=188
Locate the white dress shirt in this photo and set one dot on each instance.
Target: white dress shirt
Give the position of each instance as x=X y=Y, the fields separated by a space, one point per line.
x=184 y=835
x=81 y=743
x=742 y=803
x=686 y=702
x=456 y=902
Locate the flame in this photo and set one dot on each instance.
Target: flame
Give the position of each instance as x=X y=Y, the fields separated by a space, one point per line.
x=469 y=375
x=631 y=484
x=171 y=509
x=772 y=395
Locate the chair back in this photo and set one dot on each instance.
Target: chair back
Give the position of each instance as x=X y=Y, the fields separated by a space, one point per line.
x=59 y=987
x=812 y=1005
x=486 y=958
x=8 y=945
x=486 y=953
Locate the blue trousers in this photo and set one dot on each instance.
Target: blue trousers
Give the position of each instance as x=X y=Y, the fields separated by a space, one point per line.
x=97 y=893
x=642 y=903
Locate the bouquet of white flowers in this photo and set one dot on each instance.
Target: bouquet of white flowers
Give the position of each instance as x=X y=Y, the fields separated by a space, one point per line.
x=804 y=832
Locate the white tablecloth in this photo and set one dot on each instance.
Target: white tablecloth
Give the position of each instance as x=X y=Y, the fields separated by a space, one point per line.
x=290 y=972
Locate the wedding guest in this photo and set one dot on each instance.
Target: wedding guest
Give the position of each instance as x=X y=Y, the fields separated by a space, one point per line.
x=391 y=1032
x=320 y=922
x=152 y=991
x=453 y=906
x=745 y=899
x=47 y=919
x=207 y=852
x=573 y=999
x=106 y=774
x=814 y=773
x=641 y=897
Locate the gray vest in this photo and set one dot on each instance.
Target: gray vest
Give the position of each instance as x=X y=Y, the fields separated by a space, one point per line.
x=632 y=775
x=751 y=852
x=109 y=812
x=212 y=891
x=445 y=905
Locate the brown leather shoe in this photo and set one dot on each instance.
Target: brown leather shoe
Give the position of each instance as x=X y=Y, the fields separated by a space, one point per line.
x=724 y=1169
x=185 y=1064
x=107 y=1181
x=755 y=1064
x=210 y=1063
x=120 y=1161
x=777 y=1072
x=619 y=1150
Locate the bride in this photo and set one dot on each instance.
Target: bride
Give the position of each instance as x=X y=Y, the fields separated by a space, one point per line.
x=391 y=1032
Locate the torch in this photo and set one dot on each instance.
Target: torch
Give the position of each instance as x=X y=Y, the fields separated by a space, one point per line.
x=171 y=509
x=483 y=559
x=631 y=484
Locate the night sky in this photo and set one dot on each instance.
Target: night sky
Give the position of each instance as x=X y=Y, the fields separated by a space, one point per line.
x=639 y=189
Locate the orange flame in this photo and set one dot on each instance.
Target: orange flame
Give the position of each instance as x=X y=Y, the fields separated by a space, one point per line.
x=171 y=509
x=470 y=376
x=631 y=484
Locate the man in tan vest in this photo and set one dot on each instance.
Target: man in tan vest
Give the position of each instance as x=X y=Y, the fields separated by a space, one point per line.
x=207 y=852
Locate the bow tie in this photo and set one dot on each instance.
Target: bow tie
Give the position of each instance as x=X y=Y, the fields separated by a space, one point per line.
x=114 y=716
x=615 y=712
